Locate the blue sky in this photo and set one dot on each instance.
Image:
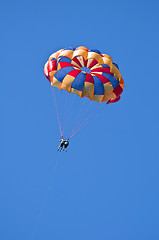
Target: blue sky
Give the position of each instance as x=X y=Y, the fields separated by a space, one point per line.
x=106 y=186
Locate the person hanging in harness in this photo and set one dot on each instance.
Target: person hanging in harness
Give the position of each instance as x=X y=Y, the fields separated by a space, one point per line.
x=63 y=145
x=66 y=143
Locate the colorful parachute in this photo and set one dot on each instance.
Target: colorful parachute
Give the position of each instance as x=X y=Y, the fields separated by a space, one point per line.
x=87 y=73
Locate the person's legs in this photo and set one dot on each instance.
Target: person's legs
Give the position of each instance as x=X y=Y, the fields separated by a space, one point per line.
x=61 y=146
x=60 y=149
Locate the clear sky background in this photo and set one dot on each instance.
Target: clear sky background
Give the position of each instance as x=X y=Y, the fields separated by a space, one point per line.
x=106 y=185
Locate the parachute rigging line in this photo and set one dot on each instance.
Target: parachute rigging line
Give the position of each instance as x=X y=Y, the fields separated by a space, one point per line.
x=57 y=113
x=80 y=119
x=87 y=120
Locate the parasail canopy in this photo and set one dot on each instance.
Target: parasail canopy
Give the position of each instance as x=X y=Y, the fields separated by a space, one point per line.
x=87 y=73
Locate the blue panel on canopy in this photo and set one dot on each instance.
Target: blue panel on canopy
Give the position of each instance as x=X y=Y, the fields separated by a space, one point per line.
x=98 y=86
x=112 y=79
x=60 y=74
x=64 y=59
x=78 y=82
